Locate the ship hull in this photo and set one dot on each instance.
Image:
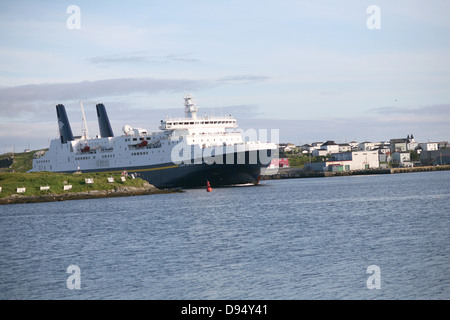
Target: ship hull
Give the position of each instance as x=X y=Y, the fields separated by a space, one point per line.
x=170 y=175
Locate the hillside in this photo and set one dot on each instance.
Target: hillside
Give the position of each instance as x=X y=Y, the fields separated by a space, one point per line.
x=17 y=162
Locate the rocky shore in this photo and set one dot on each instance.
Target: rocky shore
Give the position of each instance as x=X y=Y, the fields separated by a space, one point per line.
x=125 y=191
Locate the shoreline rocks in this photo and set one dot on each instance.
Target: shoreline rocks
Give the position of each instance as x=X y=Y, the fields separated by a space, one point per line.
x=147 y=189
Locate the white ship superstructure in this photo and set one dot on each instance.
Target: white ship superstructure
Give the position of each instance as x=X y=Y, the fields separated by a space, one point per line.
x=186 y=152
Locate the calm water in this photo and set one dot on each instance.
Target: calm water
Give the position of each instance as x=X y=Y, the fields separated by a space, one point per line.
x=287 y=239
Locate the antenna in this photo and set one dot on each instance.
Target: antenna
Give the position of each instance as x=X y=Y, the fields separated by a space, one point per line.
x=84 y=129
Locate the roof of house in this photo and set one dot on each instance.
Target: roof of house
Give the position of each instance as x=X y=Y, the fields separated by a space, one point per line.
x=398 y=140
x=329 y=143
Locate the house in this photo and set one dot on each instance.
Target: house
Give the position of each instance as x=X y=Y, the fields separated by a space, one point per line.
x=281 y=162
x=330 y=146
x=429 y=146
x=347 y=161
x=354 y=145
x=366 y=145
x=314 y=146
x=289 y=147
x=319 y=153
x=344 y=147
x=305 y=148
x=383 y=149
x=411 y=144
x=401 y=157
x=398 y=145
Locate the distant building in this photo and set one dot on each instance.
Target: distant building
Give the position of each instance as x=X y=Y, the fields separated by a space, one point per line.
x=429 y=146
x=315 y=146
x=289 y=147
x=347 y=161
x=442 y=144
x=383 y=149
x=344 y=147
x=398 y=145
x=402 y=158
x=353 y=145
x=319 y=153
x=282 y=162
x=366 y=145
x=330 y=146
x=435 y=157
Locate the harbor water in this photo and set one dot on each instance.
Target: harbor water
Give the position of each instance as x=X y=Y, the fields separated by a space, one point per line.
x=314 y=238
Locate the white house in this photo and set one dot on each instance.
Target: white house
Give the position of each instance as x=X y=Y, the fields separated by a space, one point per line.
x=347 y=161
x=330 y=147
x=353 y=145
x=401 y=157
x=429 y=146
x=314 y=146
x=319 y=153
x=364 y=146
x=344 y=147
x=289 y=147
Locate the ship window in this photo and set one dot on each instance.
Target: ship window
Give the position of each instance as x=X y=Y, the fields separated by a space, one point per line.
x=134 y=139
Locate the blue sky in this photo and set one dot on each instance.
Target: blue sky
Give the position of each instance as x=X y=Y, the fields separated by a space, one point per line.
x=312 y=69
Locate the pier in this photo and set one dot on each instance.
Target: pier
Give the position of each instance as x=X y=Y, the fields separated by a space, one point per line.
x=292 y=173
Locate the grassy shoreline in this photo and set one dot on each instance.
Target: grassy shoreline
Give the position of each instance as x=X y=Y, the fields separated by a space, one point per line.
x=33 y=181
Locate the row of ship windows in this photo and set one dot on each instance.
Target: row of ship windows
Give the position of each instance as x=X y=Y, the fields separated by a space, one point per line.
x=142 y=153
x=200 y=122
x=43 y=161
x=231 y=139
x=135 y=139
x=107 y=156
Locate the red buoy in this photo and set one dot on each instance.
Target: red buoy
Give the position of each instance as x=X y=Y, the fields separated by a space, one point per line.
x=208 y=187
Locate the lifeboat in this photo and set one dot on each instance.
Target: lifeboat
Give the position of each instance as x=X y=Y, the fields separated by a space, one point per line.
x=85 y=149
x=142 y=144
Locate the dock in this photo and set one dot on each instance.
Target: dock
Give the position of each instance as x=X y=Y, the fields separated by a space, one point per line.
x=292 y=173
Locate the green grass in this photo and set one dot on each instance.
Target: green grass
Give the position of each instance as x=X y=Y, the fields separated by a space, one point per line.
x=34 y=180
x=299 y=160
x=21 y=162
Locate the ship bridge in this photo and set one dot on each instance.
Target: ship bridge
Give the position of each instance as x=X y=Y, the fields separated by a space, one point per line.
x=193 y=123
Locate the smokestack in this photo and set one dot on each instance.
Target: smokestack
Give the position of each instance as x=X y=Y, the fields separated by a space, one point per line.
x=64 y=126
x=103 y=121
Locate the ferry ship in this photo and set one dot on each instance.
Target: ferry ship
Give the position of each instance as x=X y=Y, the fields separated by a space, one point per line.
x=187 y=152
